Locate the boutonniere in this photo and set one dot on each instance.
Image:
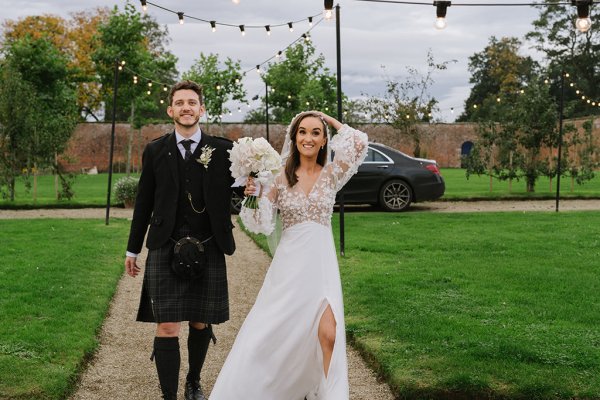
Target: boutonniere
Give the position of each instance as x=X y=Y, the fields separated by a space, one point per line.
x=205 y=156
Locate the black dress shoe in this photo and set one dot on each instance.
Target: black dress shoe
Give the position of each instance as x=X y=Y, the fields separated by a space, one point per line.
x=193 y=391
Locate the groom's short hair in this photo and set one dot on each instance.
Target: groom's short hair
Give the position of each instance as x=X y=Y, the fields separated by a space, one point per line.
x=185 y=85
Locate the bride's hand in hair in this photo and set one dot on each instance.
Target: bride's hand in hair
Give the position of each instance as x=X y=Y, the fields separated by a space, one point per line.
x=332 y=122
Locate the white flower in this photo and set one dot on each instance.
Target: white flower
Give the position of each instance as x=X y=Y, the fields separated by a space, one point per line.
x=205 y=156
x=254 y=157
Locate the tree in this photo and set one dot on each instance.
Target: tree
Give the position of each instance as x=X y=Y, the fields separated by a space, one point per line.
x=567 y=49
x=300 y=82
x=221 y=82
x=141 y=43
x=497 y=72
x=513 y=147
x=581 y=166
x=76 y=39
x=408 y=103
x=16 y=102
x=36 y=71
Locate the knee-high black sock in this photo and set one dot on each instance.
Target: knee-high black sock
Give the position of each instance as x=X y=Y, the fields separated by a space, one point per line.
x=198 y=341
x=168 y=360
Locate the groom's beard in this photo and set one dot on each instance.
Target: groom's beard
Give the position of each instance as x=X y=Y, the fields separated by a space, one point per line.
x=178 y=122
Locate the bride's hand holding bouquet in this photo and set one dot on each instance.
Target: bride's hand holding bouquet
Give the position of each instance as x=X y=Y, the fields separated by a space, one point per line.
x=254 y=163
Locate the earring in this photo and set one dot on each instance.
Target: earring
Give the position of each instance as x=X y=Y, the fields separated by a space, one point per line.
x=322 y=147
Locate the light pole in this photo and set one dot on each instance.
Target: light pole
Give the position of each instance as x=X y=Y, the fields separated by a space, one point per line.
x=560 y=136
x=267 y=107
x=328 y=11
x=118 y=66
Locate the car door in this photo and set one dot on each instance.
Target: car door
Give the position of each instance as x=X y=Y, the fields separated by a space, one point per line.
x=364 y=186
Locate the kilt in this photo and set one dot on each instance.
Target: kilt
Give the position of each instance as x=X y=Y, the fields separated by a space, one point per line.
x=169 y=298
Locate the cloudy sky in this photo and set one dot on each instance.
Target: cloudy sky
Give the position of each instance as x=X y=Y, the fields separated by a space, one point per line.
x=373 y=35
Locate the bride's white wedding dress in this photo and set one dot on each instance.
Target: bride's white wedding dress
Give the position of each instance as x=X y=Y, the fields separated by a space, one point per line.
x=277 y=354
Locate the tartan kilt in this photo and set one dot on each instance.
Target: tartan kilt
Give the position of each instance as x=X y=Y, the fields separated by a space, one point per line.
x=169 y=298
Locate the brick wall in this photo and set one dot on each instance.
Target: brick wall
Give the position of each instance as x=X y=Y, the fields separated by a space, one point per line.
x=89 y=146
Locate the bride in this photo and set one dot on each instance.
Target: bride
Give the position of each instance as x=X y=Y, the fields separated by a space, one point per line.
x=292 y=344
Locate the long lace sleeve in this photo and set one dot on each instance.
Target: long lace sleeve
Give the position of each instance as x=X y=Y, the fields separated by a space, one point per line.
x=262 y=219
x=350 y=149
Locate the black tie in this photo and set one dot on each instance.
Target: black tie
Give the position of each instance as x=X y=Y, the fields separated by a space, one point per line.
x=187 y=144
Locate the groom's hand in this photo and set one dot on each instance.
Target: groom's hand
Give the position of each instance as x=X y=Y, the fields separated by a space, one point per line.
x=131 y=267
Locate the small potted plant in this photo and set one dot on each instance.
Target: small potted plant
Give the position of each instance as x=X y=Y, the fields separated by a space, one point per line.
x=126 y=190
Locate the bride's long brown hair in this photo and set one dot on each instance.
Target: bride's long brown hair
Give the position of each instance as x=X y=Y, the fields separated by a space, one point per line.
x=293 y=161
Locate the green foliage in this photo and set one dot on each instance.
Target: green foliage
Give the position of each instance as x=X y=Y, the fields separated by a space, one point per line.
x=497 y=72
x=298 y=83
x=567 y=49
x=53 y=303
x=585 y=150
x=38 y=108
x=408 y=103
x=141 y=42
x=220 y=83
x=125 y=189
x=512 y=147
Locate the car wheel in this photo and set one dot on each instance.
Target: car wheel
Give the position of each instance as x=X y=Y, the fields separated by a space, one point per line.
x=236 y=202
x=395 y=195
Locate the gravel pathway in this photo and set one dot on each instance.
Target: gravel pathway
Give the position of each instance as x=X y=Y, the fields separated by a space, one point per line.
x=121 y=368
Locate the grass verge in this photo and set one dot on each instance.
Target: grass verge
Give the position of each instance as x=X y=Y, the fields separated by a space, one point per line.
x=57 y=280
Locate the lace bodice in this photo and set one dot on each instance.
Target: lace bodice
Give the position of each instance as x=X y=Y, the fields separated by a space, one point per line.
x=294 y=205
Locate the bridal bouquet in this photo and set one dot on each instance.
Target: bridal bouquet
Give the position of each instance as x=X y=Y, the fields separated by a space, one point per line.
x=256 y=158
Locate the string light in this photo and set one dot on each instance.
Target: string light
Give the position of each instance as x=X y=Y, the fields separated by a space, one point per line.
x=144 y=5
x=583 y=22
x=268 y=29
x=214 y=24
x=236 y=1
x=328 y=12
x=242 y=30
x=149 y=84
x=165 y=88
x=441 y=7
x=291 y=26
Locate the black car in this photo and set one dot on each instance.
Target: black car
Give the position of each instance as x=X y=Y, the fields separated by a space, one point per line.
x=393 y=180
x=388 y=178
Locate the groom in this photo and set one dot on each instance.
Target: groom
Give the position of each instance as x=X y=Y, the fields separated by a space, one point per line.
x=184 y=190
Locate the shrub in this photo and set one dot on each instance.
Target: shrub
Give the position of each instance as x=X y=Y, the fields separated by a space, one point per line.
x=126 y=190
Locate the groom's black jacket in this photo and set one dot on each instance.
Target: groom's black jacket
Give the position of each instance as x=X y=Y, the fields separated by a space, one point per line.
x=158 y=191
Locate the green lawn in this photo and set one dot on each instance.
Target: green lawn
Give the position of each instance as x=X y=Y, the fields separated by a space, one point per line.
x=482 y=305
x=56 y=281
x=90 y=190
x=458 y=187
